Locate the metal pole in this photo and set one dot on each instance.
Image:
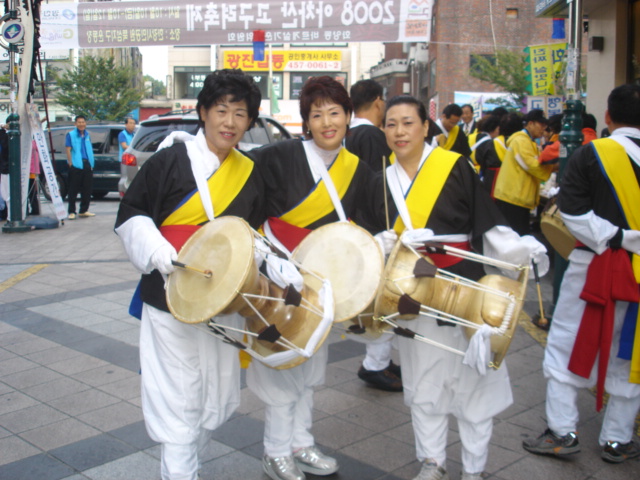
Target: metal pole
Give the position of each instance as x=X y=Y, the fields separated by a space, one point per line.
x=16 y=224
x=571 y=135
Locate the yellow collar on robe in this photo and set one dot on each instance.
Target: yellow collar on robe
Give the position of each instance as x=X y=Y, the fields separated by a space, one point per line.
x=426 y=187
x=318 y=202
x=617 y=168
x=225 y=184
x=447 y=142
x=500 y=146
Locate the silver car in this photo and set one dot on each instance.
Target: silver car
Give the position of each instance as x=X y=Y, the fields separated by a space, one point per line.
x=155 y=129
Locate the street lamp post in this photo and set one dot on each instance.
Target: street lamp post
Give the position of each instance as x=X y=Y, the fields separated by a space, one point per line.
x=16 y=224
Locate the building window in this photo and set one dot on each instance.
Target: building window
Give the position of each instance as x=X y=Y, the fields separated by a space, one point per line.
x=512 y=13
x=297 y=80
x=262 y=80
x=188 y=81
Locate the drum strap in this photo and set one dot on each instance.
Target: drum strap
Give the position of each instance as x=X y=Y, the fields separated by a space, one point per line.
x=415 y=209
x=225 y=185
x=318 y=203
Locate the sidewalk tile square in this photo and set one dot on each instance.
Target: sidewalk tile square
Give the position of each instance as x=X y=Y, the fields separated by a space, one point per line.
x=55 y=389
x=14 y=448
x=15 y=364
x=112 y=417
x=59 y=434
x=92 y=452
x=12 y=401
x=83 y=402
x=135 y=435
x=36 y=467
x=29 y=418
x=77 y=364
x=31 y=346
x=124 y=389
x=138 y=466
x=31 y=377
x=239 y=432
x=102 y=375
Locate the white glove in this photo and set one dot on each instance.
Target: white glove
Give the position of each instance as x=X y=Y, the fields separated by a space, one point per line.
x=539 y=256
x=386 y=240
x=419 y=235
x=283 y=273
x=631 y=241
x=260 y=252
x=163 y=256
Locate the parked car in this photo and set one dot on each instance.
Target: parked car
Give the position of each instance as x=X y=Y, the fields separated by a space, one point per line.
x=155 y=129
x=106 y=170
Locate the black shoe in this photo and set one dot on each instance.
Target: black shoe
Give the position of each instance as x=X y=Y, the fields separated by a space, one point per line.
x=395 y=369
x=616 y=452
x=381 y=379
x=551 y=444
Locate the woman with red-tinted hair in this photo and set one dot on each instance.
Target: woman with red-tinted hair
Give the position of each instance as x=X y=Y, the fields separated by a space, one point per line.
x=299 y=176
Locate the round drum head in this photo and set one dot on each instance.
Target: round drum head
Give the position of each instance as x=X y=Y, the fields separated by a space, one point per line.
x=350 y=258
x=225 y=247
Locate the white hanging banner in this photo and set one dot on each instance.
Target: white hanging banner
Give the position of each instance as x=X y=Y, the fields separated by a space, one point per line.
x=203 y=22
x=45 y=160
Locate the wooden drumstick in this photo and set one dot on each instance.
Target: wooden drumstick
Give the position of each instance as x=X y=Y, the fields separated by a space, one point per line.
x=206 y=273
x=384 y=187
x=543 y=322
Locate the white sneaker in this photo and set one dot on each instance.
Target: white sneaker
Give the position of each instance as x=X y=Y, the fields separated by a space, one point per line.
x=431 y=471
x=312 y=460
x=281 y=468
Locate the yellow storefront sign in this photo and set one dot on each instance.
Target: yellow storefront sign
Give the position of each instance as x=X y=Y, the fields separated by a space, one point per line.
x=285 y=60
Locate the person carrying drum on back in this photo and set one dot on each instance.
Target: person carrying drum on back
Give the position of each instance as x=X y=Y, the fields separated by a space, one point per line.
x=302 y=180
x=597 y=308
x=438 y=193
x=190 y=380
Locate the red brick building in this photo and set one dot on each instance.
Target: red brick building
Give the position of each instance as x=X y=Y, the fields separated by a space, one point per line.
x=460 y=29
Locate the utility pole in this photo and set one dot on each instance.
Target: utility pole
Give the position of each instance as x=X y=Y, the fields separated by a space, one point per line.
x=13 y=33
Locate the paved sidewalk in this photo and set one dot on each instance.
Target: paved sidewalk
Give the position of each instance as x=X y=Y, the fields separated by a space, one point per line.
x=70 y=396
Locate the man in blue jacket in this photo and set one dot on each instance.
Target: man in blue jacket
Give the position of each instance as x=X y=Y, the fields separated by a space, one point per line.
x=80 y=159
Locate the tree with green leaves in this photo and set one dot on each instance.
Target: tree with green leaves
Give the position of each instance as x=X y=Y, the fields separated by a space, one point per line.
x=97 y=89
x=154 y=87
x=506 y=70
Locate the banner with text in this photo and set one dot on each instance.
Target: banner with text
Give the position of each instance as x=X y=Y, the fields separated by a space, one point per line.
x=544 y=67
x=285 y=60
x=203 y=22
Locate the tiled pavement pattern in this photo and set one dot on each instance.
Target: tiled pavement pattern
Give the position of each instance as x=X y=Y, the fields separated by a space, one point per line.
x=70 y=397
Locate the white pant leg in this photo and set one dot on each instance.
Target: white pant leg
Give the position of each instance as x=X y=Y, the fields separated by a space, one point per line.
x=378 y=355
x=179 y=462
x=619 y=419
x=190 y=385
x=561 y=408
x=431 y=434
x=288 y=397
x=302 y=421
x=278 y=430
x=475 y=437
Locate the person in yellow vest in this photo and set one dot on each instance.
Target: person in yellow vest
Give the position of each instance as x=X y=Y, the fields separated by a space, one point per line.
x=190 y=380
x=300 y=176
x=517 y=189
x=437 y=194
x=448 y=134
x=598 y=203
